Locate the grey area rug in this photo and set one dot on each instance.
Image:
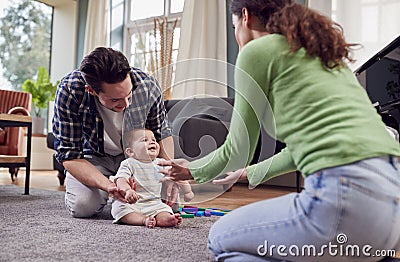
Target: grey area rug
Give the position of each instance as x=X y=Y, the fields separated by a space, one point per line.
x=37 y=227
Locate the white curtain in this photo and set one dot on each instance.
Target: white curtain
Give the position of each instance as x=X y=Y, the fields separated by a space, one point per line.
x=201 y=69
x=97 y=31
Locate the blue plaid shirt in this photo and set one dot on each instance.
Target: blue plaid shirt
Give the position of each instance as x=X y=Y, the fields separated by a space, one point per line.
x=78 y=127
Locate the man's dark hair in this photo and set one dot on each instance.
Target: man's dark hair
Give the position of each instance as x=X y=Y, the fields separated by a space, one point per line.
x=104 y=65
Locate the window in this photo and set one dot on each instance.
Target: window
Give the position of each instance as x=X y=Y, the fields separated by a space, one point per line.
x=25 y=40
x=152 y=37
x=372 y=23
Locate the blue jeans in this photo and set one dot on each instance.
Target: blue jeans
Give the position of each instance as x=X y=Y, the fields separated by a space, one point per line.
x=345 y=213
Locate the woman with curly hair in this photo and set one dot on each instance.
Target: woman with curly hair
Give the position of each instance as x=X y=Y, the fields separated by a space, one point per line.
x=292 y=66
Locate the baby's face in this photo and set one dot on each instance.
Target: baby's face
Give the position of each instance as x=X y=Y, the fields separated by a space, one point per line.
x=145 y=146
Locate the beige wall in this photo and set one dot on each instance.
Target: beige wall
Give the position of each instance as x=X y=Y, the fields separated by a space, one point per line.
x=63 y=60
x=64 y=42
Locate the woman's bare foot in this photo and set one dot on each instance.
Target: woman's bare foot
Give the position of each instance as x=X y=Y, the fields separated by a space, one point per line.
x=168 y=220
x=149 y=222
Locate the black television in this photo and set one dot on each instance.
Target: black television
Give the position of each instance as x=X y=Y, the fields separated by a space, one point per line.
x=380 y=76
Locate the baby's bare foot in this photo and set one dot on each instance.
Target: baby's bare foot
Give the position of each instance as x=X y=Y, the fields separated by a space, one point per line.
x=169 y=221
x=178 y=218
x=150 y=222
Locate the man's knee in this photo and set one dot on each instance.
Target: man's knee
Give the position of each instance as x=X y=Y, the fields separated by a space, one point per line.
x=83 y=208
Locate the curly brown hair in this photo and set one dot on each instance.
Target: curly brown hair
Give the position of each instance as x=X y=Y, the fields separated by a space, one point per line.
x=302 y=27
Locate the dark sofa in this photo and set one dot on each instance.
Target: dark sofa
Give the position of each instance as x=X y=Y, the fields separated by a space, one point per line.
x=200 y=125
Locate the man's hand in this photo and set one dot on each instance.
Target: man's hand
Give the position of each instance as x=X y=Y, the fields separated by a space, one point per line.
x=120 y=193
x=232 y=177
x=177 y=169
x=116 y=192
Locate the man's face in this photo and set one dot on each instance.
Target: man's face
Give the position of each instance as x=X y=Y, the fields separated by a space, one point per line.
x=116 y=96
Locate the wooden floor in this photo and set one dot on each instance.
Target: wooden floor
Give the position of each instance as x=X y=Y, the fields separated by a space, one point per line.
x=239 y=195
x=39 y=179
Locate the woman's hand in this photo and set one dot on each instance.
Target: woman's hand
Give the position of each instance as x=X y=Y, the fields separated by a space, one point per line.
x=169 y=192
x=232 y=177
x=177 y=169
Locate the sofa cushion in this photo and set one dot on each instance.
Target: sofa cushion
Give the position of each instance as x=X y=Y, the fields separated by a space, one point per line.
x=199 y=125
x=210 y=108
x=198 y=136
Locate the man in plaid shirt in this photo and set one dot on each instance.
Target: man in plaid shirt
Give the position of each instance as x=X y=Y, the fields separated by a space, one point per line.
x=94 y=106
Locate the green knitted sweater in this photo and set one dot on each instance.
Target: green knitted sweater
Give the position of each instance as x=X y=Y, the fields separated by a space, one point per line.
x=324 y=117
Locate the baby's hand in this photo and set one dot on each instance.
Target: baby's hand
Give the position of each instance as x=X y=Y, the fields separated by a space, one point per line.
x=131 y=197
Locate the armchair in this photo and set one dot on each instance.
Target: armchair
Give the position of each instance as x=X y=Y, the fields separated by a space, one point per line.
x=11 y=138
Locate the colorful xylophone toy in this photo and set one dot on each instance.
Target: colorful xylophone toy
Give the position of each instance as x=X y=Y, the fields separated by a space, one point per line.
x=193 y=211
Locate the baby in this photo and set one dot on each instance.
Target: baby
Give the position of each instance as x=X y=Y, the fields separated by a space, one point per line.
x=144 y=206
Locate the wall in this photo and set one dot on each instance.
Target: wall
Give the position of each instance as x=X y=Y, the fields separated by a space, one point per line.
x=82 y=15
x=63 y=60
x=64 y=38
